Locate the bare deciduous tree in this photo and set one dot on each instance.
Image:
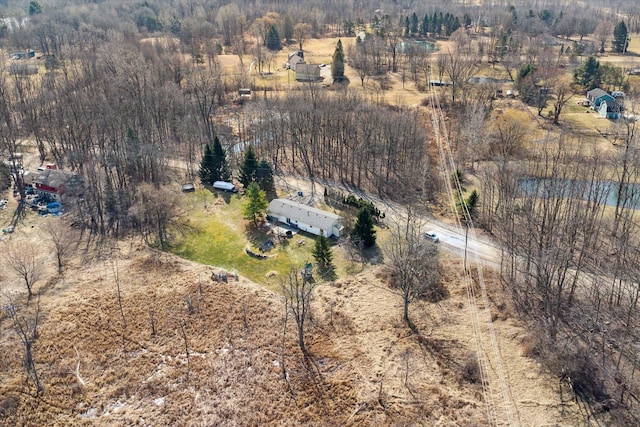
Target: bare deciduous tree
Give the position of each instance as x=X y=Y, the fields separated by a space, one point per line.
x=562 y=92
x=413 y=260
x=25 y=324
x=301 y=31
x=63 y=241
x=297 y=294
x=507 y=132
x=393 y=38
x=23 y=258
x=155 y=212
x=459 y=68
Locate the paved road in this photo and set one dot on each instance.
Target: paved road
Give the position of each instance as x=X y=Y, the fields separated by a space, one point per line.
x=451 y=239
x=454 y=241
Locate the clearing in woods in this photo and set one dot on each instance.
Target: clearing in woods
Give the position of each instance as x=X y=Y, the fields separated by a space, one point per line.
x=190 y=350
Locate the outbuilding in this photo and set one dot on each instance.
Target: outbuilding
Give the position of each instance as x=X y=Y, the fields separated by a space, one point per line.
x=306 y=218
x=51 y=182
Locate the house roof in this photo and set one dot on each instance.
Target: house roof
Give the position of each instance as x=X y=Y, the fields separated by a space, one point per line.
x=596 y=93
x=612 y=105
x=297 y=53
x=53 y=178
x=308 y=68
x=307 y=72
x=302 y=213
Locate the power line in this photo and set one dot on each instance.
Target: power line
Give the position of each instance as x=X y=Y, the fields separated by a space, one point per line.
x=450 y=171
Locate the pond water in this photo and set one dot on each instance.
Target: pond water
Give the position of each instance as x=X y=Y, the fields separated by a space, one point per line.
x=548 y=187
x=428 y=46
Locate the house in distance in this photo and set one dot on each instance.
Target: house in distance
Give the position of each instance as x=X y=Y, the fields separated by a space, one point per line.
x=306 y=218
x=51 y=182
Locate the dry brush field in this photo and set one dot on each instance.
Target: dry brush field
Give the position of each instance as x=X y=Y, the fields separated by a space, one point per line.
x=183 y=349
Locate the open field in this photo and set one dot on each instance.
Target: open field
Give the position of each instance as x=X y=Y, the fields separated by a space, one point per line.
x=219 y=236
x=102 y=365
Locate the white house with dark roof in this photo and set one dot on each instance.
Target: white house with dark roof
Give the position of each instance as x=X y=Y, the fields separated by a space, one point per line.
x=306 y=218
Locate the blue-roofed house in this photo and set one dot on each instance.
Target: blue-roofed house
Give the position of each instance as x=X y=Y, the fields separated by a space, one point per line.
x=605 y=104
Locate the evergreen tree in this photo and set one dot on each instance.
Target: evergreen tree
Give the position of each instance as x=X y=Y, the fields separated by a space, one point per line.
x=527 y=84
x=472 y=203
x=249 y=167
x=264 y=178
x=256 y=205
x=273 y=39
x=466 y=19
x=207 y=166
x=424 y=28
x=620 y=38
x=337 y=66
x=324 y=257
x=447 y=21
x=363 y=231
x=34 y=8
x=221 y=171
x=455 y=25
x=435 y=24
x=414 y=24
x=589 y=74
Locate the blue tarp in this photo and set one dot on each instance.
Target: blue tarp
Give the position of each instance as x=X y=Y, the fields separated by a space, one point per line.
x=54 y=207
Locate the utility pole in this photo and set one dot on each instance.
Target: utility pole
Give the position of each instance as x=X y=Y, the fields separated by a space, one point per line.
x=466 y=244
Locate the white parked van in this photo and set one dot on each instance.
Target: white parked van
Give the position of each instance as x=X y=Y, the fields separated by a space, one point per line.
x=225 y=186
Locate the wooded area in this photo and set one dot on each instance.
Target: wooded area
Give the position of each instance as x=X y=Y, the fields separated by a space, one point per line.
x=130 y=96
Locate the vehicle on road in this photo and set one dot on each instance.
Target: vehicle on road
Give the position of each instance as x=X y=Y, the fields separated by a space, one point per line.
x=432 y=235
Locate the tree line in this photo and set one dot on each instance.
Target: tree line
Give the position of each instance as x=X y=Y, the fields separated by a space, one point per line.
x=566 y=221
x=342 y=138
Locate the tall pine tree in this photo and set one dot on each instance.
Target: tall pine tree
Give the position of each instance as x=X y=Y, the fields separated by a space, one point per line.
x=589 y=75
x=273 y=39
x=424 y=28
x=221 y=170
x=414 y=24
x=249 y=167
x=620 y=38
x=256 y=203
x=363 y=231
x=207 y=166
x=264 y=177
x=337 y=66
x=324 y=257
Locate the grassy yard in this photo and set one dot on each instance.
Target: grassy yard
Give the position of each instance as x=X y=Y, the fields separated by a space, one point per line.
x=218 y=236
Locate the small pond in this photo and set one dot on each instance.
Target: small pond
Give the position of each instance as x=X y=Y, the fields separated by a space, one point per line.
x=420 y=44
x=547 y=187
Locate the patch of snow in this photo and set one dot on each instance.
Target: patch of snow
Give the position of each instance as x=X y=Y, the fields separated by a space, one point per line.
x=276 y=363
x=117 y=406
x=159 y=401
x=90 y=413
x=113 y=407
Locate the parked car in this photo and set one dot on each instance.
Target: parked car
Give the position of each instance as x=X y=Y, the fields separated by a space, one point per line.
x=432 y=235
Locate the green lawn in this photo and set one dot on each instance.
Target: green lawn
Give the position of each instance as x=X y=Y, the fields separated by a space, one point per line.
x=219 y=235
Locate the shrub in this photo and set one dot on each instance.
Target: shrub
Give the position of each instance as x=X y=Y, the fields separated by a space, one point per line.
x=470 y=370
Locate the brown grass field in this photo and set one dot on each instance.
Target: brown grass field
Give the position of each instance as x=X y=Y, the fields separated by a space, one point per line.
x=368 y=368
x=217 y=354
